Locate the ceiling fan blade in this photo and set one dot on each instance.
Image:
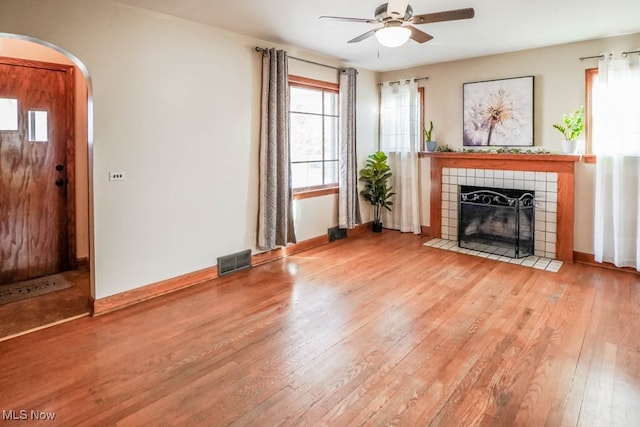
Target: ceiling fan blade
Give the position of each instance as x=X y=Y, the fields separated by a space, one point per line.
x=449 y=15
x=397 y=8
x=341 y=18
x=364 y=36
x=418 y=35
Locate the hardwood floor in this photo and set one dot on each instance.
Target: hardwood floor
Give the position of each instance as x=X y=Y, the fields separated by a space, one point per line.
x=19 y=317
x=376 y=329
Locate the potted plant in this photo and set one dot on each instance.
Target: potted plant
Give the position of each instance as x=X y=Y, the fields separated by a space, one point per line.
x=571 y=129
x=376 y=190
x=431 y=145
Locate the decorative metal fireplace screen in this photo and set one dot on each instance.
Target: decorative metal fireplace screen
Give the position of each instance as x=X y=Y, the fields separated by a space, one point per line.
x=496 y=220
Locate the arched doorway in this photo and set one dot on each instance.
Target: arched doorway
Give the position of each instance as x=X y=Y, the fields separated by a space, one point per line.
x=34 y=313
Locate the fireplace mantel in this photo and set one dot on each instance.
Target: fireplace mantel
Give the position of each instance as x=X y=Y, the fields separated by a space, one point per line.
x=535 y=162
x=562 y=164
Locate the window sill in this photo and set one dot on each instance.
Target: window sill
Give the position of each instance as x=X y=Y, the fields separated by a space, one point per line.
x=307 y=193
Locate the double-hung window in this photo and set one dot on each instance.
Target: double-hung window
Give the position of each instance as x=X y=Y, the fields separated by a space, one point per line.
x=314 y=134
x=613 y=108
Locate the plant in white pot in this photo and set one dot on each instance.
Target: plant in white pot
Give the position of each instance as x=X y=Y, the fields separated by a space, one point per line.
x=431 y=145
x=572 y=127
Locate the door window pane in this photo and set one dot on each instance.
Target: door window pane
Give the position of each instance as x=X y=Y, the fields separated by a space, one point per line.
x=8 y=114
x=38 y=126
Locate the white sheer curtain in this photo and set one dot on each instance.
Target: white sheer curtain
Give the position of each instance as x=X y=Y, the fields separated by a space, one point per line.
x=616 y=142
x=399 y=139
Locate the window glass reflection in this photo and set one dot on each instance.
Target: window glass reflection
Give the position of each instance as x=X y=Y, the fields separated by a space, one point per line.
x=38 y=126
x=8 y=114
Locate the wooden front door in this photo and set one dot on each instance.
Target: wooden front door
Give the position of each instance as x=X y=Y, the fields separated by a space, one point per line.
x=35 y=147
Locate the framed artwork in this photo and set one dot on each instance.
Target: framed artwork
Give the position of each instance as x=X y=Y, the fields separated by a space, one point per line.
x=498 y=112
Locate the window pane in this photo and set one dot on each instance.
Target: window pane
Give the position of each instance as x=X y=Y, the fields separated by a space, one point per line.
x=314 y=137
x=615 y=112
x=331 y=103
x=331 y=172
x=38 y=127
x=331 y=138
x=306 y=174
x=305 y=100
x=8 y=114
x=306 y=137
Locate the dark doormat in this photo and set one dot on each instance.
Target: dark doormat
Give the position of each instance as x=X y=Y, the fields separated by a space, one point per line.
x=31 y=288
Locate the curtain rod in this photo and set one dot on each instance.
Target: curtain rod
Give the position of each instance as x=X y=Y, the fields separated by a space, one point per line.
x=397 y=82
x=600 y=57
x=264 y=49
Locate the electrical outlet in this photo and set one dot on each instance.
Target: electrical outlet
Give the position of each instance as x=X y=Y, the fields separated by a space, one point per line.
x=117 y=176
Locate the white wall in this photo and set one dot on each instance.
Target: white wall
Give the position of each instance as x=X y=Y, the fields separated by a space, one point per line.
x=176 y=106
x=559 y=88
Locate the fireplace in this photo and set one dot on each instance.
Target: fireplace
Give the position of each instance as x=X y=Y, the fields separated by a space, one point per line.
x=550 y=176
x=497 y=220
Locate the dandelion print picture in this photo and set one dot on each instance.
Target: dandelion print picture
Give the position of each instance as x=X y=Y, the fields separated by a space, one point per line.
x=498 y=112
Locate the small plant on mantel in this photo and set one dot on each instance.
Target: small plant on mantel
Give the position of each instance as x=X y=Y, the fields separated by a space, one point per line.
x=430 y=145
x=572 y=127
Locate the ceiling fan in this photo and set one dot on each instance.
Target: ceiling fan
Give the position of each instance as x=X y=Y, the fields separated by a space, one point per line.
x=398 y=22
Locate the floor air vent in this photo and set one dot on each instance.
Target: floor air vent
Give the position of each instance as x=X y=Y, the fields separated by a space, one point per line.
x=235 y=262
x=336 y=233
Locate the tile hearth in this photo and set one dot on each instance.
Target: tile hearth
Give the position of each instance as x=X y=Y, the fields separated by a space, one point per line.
x=533 y=261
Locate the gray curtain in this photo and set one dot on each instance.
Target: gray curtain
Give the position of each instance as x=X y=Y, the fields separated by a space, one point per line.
x=275 y=216
x=348 y=204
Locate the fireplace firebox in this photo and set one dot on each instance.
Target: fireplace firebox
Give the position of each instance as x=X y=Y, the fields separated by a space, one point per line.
x=496 y=220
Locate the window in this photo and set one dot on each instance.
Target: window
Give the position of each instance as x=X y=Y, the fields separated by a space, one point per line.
x=590 y=79
x=613 y=108
x=8 y=114
x=400 y=130
x=421 y=114
x=38 y=128
x=314 y=134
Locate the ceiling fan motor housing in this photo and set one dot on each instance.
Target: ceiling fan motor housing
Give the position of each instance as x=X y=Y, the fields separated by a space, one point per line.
x=381 y=13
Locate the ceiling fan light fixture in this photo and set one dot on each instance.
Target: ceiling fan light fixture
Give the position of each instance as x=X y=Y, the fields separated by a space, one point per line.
x=393 y=36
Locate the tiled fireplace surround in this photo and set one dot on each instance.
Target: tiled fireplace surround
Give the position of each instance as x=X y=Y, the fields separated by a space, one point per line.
x=550 y=176
x=545 y=185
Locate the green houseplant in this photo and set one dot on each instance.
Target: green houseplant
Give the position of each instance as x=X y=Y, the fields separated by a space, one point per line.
x=431 y=145
x=377 y=190
x=571 y=128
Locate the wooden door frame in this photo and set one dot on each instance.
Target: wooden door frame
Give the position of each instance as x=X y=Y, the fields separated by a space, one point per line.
x=70 y=148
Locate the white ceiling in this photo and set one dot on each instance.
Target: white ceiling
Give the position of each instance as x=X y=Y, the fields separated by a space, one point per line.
x=499 y=26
